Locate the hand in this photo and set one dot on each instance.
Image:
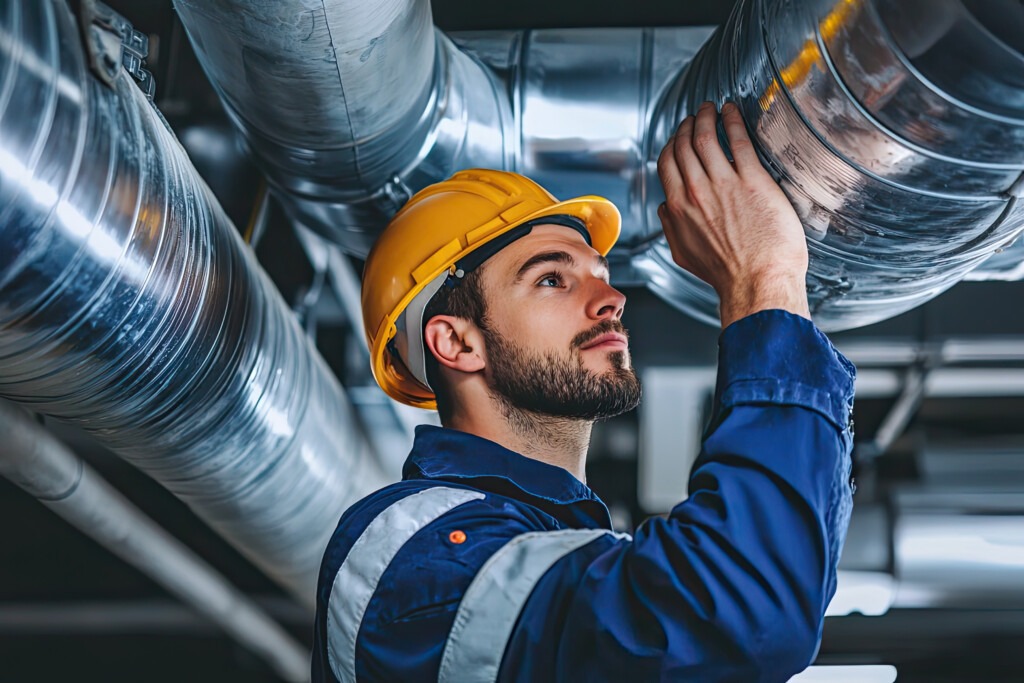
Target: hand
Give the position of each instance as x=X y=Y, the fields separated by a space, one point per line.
x=729 y=223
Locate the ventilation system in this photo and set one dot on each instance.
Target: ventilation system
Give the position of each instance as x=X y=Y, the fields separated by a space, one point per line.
x=130 y=307
x=896 y=128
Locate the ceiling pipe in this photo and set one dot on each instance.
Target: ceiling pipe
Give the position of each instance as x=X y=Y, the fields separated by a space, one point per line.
x=906 y=174
x=904 y=180
x=348 y=106
x=130 y=307
x=45 y=468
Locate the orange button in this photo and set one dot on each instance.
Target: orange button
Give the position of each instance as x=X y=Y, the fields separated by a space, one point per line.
x=457 y=537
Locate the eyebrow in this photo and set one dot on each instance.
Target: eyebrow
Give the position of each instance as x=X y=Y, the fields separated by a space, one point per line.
x=562 y=257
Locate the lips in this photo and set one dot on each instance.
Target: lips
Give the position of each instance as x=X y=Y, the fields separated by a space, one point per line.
x=610 y=341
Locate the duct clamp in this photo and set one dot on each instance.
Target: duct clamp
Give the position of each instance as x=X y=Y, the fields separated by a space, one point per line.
x=113 y=43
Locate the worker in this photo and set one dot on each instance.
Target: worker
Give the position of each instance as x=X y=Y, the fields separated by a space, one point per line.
x=491 y=559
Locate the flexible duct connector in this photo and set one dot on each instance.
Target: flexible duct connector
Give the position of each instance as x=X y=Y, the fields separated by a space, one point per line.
x=895 y=127
x=130 y=307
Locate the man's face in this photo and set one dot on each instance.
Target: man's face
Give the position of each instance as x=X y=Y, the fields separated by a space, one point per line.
x=553 y=339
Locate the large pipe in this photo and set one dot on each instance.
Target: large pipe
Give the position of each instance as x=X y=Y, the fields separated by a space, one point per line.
x=44 y=467
x=130 y=307
x=347 y=105
x=905 y=181
x=904 y=176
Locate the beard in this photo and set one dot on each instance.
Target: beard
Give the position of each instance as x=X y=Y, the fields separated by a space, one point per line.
x=560 y=385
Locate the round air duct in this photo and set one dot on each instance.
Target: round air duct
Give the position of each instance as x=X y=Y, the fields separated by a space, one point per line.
x=896 y=128
x=130 y=307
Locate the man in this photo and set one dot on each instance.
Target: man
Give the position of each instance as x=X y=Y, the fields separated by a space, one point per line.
x=491 y=559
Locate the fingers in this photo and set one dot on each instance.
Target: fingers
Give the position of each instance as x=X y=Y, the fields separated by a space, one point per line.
x=706 y=145
x=694 y=159
x=669 y=172
x=693 y=171
x=739 y=141
x=678 y=166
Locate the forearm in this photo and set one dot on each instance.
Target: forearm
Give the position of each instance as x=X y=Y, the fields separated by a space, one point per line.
x=783 y=291
x=770 y=491
x=728 y=222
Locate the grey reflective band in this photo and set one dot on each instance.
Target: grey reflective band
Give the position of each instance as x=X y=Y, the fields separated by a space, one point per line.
x=411 y=324
x=493 y=601
x=367 y=561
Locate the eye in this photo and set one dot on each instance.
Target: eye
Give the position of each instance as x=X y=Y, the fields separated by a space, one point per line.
x=550 y=280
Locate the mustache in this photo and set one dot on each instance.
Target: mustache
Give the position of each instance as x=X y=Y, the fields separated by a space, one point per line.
x=603 y=327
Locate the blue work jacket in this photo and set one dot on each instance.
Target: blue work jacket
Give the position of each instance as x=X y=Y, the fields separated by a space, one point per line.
x=482 y=564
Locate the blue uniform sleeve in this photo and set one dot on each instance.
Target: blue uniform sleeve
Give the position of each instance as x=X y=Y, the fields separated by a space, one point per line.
x=733 y=584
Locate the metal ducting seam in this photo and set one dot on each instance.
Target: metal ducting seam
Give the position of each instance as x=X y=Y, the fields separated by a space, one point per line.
x=901 y=149
x=130 y=307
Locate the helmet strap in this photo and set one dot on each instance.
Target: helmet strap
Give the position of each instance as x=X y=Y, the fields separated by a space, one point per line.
x=476 y=258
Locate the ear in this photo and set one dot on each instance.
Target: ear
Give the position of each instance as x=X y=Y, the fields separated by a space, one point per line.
x=456 y=343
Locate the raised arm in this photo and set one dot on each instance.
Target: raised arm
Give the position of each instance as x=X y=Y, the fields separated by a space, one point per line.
x=733 y=584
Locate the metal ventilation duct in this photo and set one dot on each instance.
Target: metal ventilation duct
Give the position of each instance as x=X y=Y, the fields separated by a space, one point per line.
x=348 y=106
x=896 y=128
x=899 y=149
x=130 y=307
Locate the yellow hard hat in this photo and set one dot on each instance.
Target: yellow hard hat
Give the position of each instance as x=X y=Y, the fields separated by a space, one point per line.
x=438 y=227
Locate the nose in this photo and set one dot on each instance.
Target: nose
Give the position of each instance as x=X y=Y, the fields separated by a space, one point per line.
x=605 y=302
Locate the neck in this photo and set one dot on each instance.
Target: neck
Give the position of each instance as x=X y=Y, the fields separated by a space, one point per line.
x=558 y=441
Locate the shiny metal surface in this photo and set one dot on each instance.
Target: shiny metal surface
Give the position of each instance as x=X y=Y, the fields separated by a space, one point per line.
x=933 y=74
x=470 y=127
x=311 y=83
x=130 y=307
x=1006 y=264
x=45 y=468
x=902 y=189
x=348 y=106
x=582 y=102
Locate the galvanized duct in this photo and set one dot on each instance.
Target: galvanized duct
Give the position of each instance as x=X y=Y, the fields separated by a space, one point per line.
x=904 y=170
x=904 y=180
x=130 y=307
x=347 y=105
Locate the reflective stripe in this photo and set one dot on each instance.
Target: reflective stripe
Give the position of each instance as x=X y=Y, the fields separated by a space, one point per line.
x=492 y=603
x=367 y=561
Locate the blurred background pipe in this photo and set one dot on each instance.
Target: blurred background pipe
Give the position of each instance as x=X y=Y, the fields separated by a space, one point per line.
x=36 y=461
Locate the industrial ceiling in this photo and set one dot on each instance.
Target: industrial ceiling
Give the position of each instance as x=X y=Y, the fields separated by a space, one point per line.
x=936 y=549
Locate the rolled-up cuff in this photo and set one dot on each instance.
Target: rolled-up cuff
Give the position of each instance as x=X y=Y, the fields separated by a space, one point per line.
x=776 y=357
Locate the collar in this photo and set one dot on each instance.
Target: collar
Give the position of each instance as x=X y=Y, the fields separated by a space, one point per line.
x=448 y=454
